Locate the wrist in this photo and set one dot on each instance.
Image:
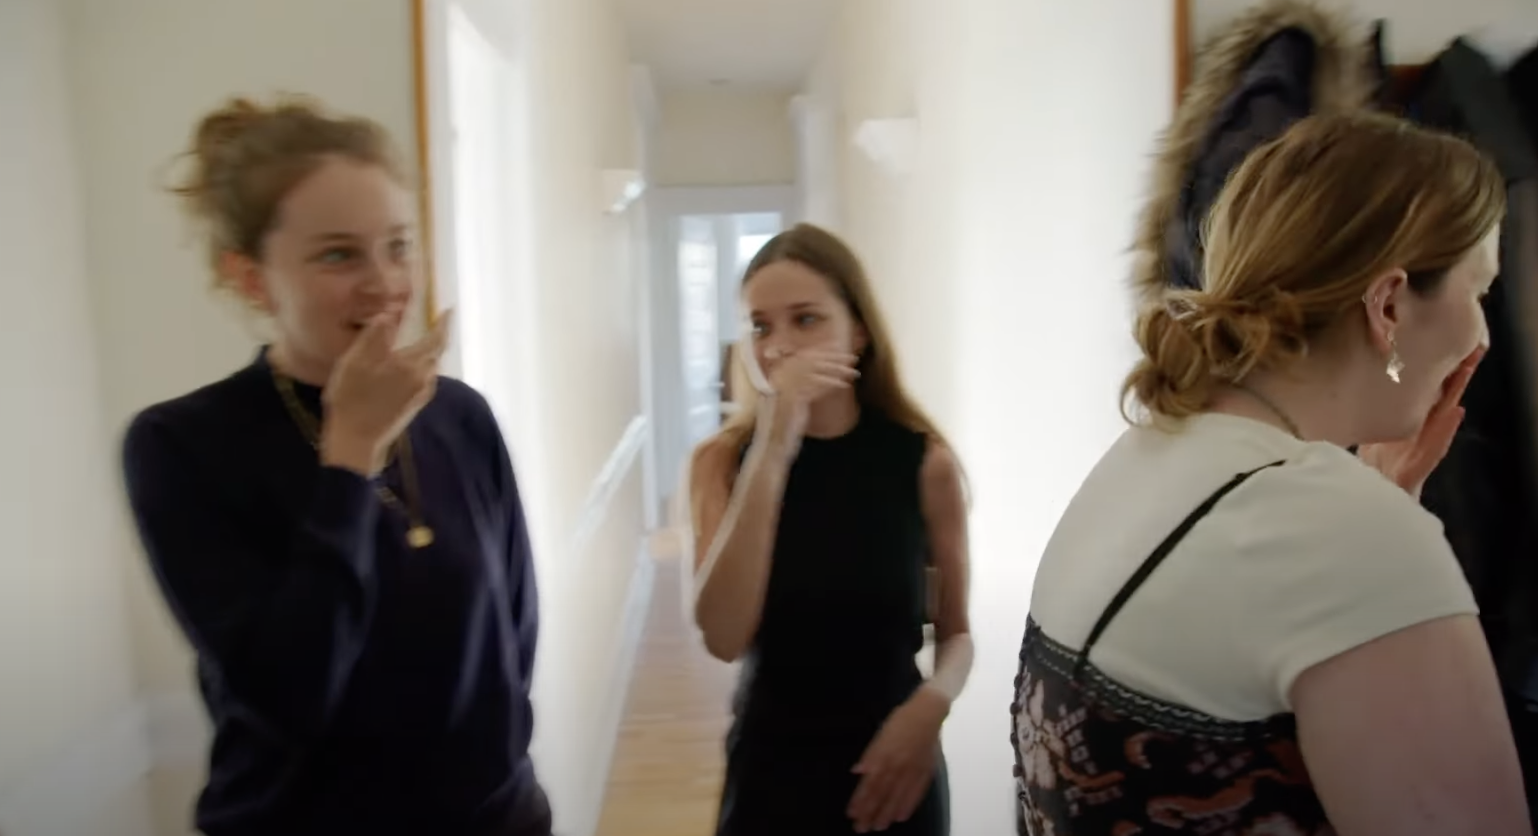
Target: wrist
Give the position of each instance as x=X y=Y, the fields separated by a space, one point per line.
x=777 y=438
x=349 y=452
x=936 y=699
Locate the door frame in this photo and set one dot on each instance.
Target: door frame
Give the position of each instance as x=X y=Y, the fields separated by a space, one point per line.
x=664 y=207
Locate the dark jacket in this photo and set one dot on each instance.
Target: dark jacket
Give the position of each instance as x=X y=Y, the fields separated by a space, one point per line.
x=1486 y=490
x=1277 y=63
x=1522 y=85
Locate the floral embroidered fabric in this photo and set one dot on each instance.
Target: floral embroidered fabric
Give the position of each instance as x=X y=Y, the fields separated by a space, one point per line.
x=1093 y=758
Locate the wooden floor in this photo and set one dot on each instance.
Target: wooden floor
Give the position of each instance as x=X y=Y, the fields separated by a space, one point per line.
x=666 y=777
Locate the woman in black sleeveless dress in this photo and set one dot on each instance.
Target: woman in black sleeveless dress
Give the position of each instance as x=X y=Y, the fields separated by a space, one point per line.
x=817 y=513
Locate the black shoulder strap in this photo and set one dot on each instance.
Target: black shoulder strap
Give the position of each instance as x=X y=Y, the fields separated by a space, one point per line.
x=1154 y=559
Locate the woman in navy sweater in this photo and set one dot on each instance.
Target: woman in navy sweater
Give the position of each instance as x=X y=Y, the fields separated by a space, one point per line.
x=336 y=528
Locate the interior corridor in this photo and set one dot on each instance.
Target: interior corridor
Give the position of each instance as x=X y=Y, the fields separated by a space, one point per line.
x=668 y=759
x=593 y=175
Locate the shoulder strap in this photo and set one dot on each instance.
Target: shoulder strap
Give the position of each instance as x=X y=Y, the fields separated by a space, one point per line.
x=1154 y=559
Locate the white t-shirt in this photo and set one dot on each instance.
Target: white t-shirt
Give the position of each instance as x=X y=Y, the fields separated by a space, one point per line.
x=1300 y=563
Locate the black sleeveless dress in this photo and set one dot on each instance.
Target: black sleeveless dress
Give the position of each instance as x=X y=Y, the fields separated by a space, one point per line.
x=842 y=622
x=1095 y=758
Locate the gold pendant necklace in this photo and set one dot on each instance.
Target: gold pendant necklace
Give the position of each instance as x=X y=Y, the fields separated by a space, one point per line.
x=418 y=534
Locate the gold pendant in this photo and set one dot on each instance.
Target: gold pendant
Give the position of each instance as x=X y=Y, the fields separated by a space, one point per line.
x=419 y=536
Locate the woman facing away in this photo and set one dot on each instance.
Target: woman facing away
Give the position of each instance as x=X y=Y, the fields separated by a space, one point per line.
x=336 y=528
x=817 y=511
x=1239 y=627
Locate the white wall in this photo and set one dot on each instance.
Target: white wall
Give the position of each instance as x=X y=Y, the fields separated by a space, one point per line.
x=724 y=137
x=1000 y=260
x=66 y=675
x=571 y=303
x=1417 y=29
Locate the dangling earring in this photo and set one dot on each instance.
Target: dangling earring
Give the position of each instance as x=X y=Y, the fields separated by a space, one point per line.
x=1395 y=365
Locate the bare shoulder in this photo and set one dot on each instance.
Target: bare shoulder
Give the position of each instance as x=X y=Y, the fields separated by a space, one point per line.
x=713 y=459
x=940 y=472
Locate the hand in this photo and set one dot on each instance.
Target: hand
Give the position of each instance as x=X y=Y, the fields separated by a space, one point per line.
x=798 y=381
x=375 y=391
x=1409 y=463
x=899 y=765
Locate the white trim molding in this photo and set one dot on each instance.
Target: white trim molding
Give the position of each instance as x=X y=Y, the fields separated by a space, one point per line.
x=725 y=200
x=632 y=627
x=609 y=479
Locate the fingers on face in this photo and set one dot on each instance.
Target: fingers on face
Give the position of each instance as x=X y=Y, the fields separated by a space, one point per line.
x=828 y=382
x=427 y=351
x=378 y=335
x=835 y=371
x=815 y=354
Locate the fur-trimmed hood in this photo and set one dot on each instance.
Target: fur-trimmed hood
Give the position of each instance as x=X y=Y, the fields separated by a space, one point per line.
x=1269 y=47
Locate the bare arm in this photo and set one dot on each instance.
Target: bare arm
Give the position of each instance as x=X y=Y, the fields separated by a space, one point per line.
x=735 y=515
x=1408 y=734
x=945 y=515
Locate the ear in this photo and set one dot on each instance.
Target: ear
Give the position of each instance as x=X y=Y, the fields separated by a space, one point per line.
x=242 y=273
x=861 y=338
x=1384 y=304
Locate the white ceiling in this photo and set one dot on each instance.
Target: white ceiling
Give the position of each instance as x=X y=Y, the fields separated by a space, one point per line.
x=743 y=43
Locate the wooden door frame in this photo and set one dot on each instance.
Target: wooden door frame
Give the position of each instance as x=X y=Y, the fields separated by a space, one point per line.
x=422 y=99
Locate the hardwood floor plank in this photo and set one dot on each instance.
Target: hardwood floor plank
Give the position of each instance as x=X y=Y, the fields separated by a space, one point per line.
x=668 y=761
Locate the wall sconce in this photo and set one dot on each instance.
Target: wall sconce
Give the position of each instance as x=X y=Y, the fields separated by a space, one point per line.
x=621 y=187
x=892 y=144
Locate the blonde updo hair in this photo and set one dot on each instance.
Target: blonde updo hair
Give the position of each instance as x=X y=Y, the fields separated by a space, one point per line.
x=1298 y=233
x=246 y=157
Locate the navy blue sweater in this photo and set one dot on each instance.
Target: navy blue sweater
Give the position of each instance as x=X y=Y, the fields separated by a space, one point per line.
x=356 y=685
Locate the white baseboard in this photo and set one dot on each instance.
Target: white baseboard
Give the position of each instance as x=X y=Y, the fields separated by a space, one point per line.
x=632 y=628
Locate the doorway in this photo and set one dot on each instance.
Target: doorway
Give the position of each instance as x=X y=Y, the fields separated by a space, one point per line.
x=705 y=239
x=713 y=253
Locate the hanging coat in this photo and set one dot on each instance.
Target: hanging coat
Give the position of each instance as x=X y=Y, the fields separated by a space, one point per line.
x=1522 y=85
x=1486 y=490
x=1278 y=62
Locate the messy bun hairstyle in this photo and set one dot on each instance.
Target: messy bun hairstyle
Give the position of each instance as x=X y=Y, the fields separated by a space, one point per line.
x=246 y=157
x=1297 y=234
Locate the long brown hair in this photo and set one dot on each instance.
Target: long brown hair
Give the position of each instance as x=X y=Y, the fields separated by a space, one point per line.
x=880 y=386
x=1297 y=234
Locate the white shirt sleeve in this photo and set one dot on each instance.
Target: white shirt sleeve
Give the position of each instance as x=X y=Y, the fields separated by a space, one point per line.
x=1348 y=557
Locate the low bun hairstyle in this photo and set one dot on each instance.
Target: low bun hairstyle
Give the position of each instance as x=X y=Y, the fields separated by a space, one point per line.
x=1194 y=343
x=245 y=157
x=1300 y=230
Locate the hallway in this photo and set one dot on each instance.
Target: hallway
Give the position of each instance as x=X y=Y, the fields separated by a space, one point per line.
x=666 y=773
